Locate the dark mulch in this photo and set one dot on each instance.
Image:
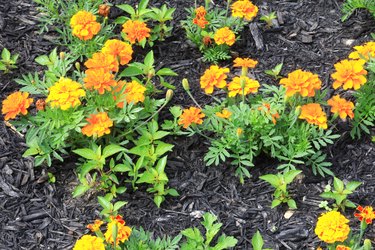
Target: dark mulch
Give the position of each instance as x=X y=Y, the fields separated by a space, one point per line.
x=38 y=215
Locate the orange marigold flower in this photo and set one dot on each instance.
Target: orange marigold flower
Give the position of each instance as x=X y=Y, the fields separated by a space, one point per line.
x=303 y=82
x=349 y=74
x=100 y=80
x=314 y=114
x=88 y=242
x=245 y=62
x=135 y=31
x=341 y=106
x=213 y=77
x=133 y=92
x=118 y=49
x=103 y=10
x=225 y=113
x=342 y=247
x=99 y=125
x=364 y=51
x=16 y=103
x=190 y=116
x=123 y=232
x=65 y=94
x=95 y=226
x=101 y=60
x=332 y=227
x=224 y=36
x=242 y=85
x=200 y=17
x=365 y=213
x=244 y=9
x=84 y=25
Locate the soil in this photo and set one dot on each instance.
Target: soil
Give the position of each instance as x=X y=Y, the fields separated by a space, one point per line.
x=37 y=214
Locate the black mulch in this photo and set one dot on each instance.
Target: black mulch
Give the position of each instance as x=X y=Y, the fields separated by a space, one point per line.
x=38 y=215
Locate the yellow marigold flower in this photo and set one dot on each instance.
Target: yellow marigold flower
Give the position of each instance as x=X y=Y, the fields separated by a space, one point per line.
x=95 y=226
x=342 y=247
x=123 y=232
x=225 y=113
x=134 y=92
x=190 y=116
x=100 y=80
x=349 y=74
x=244 y=9
x=135 y=31
x=84 y=25
x=224 y=36
x=88 y=242
x=242 y=85
x=365 y=213
x=118 y=49
x=364 y=51
x=16 y=103
x=99 y=125
x=332 y=227
x=245 y=62
x=303 y=82
x=214 y=77
x=341 y=106
x=65 y=94
x=200 y=17
x=101 y=60
x=314 y=114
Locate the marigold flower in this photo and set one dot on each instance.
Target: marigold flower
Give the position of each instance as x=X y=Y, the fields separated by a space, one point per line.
x=95 y=226
x=364 y=51
x=349 y=74
x=342 y=247
x=314 y=114
x=245 y=62
x=100 y=80
x=40 y=104
x=99 y=125
x=200 y=17
x=133 y=92
x=135 y=31
x=16 y=103
x=101 y=60
x=103 y=10
x=242 y=85
x=303 y=82
x=225 y=113
x=190 y=116
x=123 y=232
x=224 y=36
x=65 y=94
x=365 y=213
x=213 y=77
x=118 y=49
x=341 y=106
x=332 y=227
x=88 y=242
x=244 y=9
x=84 y=25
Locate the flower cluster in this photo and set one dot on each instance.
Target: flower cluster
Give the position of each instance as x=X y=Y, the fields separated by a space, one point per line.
x=341 y=107
x=224 y=36
x=190 y=116
x=244 y=9
x=98 y=125
x=314 y=114
x=332 y=227
x=301 y=82
x=84 y=25
x=135 y=31
x=15 y=104
x=200 y=17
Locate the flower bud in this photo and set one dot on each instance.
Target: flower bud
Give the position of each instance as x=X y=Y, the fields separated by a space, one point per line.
x=104 y=10
x=239 y=132
x=62 y=55
x=40 y=104
x=367 y=245
x=168 y=95
x=185 y=84
x=78 y=66
x=151 y=73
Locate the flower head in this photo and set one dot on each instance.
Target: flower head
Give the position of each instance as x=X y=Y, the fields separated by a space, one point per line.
x=123 y=232
x=349 y=74
x=135 y=31
x=16 y=103
x=341 y=106
x=365 y=213
x=118 y=49
x=100 y=80
x=40 y=104
x=242 y=85
x=99 y=125
x=101 y=60
x=200 y=17
x=65 y=94
x=84 y=25
x=314 y=114
x=364 y=51
x=95 y=226
x=245 y=62
x=190 y=116
x=342 y=247
x=224 y=36
x=303 y=82
x=133 y=92
x=225 y=113
x=88 y=242
x=214 y=77
x=103 y=10
x=332 y=227
x=244 y=9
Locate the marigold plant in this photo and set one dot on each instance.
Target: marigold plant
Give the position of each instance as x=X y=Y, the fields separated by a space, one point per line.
x=89 y=242
x=224 y=36
x=191 y=116
x=242 y=85
x=84 y=25
x=341 y=107
x=314 y=114
x=98 y=125
x=350 y=74
x=332 y=227
x=214 y=77
x=365 y=51
x=244 y=9
x=65 y=94
x=301 y=82
x=118 y=49
x=135 y=31
x=15 y=104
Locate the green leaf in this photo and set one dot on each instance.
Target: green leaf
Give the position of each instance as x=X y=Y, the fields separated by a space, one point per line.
x=225 y=242
x=158 y=199
x=173 y=192
x=31 y=151
x=127 y=8
x=87 y=167
x=338 y=184
x=292 y=204
x=290 y=175
x=131 y=71
x=149 y=59
x=166 y=72
x=104 y=202
x=86 y=153
x=5 y=54
x=146 y=177
x=160 y=166
x=118 y=205
x=163 y=148
x=43 y=60
x=111 y=150
x=353 y=185
x=275 y=203
x=160 y=134
x=257 y=241
x=272 y=179
x=80 y=190
x=143 y=4
x=122 y=168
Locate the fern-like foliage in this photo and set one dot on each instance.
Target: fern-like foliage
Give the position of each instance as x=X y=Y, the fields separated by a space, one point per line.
x=215 y=54
x=351 y=5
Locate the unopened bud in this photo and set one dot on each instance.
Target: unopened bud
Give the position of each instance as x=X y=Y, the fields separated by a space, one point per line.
x=151 y=73
x=62 y=55
x=367 y=245
x=78 y=66
x=185 y=84
x=239 y=131
x=40 y=104
x=168 y=95
x=104 y=10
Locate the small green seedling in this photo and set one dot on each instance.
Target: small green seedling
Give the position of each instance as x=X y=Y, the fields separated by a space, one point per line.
x=275 y=72
x=8 y=61
x=268 y=19
x=257 y=242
